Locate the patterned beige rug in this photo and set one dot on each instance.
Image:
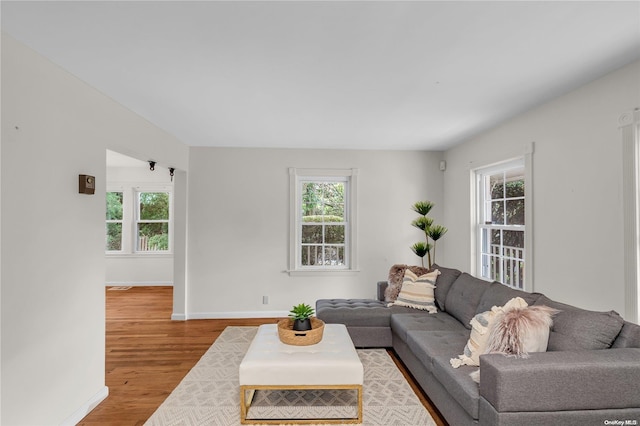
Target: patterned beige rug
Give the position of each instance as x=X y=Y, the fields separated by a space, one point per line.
x=209 y=394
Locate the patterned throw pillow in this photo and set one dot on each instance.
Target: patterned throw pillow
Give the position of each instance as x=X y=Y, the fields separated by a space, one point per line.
x=481 y=325
x=418 y=291
x=396 y=275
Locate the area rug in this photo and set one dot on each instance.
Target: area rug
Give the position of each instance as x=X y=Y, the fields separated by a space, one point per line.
x=209 y=394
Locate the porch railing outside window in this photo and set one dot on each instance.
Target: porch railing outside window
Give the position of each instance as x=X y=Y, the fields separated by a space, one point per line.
x=323 y=224
x=501 y=223
x=323 y=212
x=327 y=255
x=504 y=264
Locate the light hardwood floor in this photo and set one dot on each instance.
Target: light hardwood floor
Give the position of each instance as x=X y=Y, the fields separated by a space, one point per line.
x=147 y=354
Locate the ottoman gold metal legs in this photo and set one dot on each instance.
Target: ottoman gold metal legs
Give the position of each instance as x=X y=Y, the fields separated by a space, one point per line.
x=247 y=392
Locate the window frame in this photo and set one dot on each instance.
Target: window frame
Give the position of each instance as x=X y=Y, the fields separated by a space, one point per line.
x=137 y=221
x=129 y=219
x=478 y=210
x=486 y=226
x=120 y=221
x=296 y=179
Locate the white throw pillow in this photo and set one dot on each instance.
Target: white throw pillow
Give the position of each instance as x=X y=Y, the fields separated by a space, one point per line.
x=479 y=337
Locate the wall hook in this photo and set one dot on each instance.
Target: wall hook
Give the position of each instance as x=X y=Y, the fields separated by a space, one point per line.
x=152 y=165
x=171 y=170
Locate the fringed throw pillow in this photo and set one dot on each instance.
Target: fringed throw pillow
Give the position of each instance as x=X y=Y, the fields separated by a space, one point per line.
x=396 y=275
x=479 y=337
x=418 y=291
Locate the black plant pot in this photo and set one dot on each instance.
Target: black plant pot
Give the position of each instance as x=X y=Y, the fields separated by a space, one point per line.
x=302 y=324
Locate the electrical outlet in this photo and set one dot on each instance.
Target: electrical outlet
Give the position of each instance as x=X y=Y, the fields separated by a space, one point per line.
x=265 y=300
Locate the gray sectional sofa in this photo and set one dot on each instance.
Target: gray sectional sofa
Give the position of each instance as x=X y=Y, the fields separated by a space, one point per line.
x=590 y=374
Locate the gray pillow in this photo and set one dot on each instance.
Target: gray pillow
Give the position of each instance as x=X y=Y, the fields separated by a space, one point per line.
x=575 y=329
x=498 y=294
x=629 y=336
x=443 y=283
x=464 y=296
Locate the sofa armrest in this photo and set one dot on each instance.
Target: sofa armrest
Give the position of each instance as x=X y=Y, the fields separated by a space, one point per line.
x=382 y=286
x=563 y=380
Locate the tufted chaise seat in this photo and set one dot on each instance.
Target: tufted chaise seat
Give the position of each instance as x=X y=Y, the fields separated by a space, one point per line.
x=368 y=321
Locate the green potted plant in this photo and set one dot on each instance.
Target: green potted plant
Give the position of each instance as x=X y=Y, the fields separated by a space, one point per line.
x=301 y=315
x=432 y=232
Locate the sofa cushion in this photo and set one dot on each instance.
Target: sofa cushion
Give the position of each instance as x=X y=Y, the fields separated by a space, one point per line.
x=357 y=312
x=464 y=296
x=498 y=294
x=459 y=384
x=428 y=344
x=443 y=283
x=417 y=291
x=629 y=336
x=402 y=323
x=574 y=328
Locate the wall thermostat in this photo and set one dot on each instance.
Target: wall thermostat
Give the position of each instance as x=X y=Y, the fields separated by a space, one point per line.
x=87 y=184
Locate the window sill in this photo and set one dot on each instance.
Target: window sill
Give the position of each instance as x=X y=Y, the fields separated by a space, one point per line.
x=138 y=255
x=323 y=272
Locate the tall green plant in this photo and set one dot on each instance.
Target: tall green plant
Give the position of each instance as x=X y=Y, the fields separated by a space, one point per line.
x=431 y=232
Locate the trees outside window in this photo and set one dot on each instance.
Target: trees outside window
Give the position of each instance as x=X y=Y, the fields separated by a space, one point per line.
x=153 y=221
x=114 y=221
x=138 y=221
x=322 y=220
x=323 y=224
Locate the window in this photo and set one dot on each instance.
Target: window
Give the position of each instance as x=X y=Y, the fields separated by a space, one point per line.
x=114 y=221
x=138 y=220
x=152 y=224
x=501 y=223
x=322 y=223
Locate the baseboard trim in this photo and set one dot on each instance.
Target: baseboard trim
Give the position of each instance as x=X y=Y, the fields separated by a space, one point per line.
x=178 y=317
x=86 y=408
x=139 y=283
x=236 y=314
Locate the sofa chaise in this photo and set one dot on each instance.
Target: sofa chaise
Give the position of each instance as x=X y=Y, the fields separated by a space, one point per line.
x=589 y=375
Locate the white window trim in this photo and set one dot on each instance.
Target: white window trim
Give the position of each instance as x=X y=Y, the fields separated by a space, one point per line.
x=129 y=220
x=629 y=123
x=125 y=244
x=136 y=221
x=295 y=176
x=527 y=159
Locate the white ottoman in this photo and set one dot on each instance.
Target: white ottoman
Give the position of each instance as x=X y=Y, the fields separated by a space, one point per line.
x=333 y=363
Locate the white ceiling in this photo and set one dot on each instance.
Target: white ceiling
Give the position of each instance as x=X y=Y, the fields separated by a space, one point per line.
x=354 y=75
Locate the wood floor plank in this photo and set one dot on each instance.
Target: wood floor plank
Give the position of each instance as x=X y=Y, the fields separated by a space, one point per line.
x=148 y=354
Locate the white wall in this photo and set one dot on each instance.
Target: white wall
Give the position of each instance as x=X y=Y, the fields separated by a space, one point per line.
x=239 y=225
x=138 y=269
x=577 y=190
x=55 y=127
